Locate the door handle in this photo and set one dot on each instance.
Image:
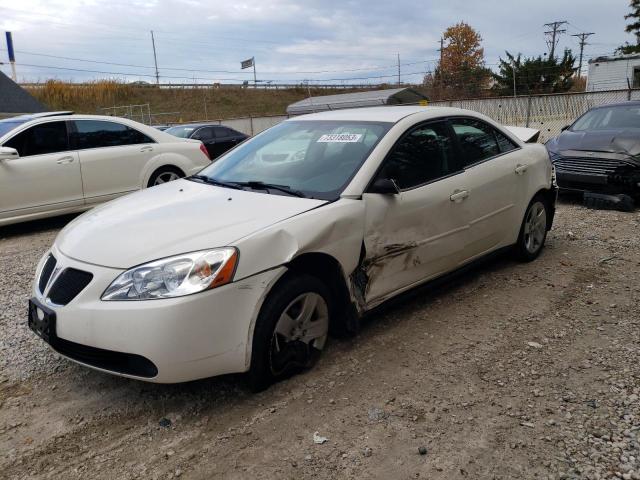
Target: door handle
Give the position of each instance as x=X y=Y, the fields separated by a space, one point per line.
x=520 y=169
x=64 y=160
x=458 y=195
x=147 y=148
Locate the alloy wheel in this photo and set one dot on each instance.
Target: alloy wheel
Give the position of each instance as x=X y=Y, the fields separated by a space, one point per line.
x=535 y=227
x=302 y=327
x=166 y=177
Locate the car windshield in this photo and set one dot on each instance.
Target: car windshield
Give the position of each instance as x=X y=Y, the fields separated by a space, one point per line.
x=314 y=159
x=6 y=127
x=608 y=118
x=182 y=132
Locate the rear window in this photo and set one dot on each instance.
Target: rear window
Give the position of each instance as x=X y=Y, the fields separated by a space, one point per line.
x=182 y=132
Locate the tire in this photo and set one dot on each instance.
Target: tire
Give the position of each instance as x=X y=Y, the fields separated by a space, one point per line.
x=164 y=175
x=533 y=231
x=283 y=342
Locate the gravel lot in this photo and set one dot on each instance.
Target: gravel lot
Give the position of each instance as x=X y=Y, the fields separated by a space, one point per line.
x=512 y=371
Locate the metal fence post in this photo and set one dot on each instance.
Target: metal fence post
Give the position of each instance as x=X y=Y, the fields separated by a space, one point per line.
x=528 y=111
x=251 y=124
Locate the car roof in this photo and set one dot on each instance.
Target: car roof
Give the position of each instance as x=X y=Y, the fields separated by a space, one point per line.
x=389 y=114
x=196 y=125
x=35 y=116
x=629 y=103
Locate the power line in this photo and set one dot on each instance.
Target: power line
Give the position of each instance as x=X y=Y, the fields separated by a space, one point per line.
x=364 y=69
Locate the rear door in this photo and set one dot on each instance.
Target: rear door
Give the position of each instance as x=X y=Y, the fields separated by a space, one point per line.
x=490 y=160
x=420 y=232
x=45 y=176
x=112 y=156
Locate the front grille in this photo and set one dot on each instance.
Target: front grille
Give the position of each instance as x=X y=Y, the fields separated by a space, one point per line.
x=119 y=362
x=69 y=284
x=589 y=165
x=47 y=269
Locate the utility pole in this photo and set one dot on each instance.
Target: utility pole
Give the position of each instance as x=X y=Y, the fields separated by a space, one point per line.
x=439 y=69
x=554 y=33
x=255 y=81
x=155 y=59
x=583 y=41
x=399 y=82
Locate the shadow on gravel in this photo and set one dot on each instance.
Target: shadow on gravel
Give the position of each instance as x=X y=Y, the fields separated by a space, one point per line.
x=159 y=400
x=36 y=226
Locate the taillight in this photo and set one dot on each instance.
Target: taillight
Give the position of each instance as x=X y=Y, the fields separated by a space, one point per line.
x=203 y=149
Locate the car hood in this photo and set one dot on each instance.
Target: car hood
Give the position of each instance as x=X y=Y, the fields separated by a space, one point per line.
x=177 y=217
x=611 y=141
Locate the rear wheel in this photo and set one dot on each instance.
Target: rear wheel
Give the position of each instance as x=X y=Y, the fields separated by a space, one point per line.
x=164 y=175
x=291 y=330
x=533 y=231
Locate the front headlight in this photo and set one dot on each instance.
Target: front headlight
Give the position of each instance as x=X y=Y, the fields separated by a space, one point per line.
x=175 y=276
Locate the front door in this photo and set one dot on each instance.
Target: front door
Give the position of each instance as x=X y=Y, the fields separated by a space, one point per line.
x=418 y=233
x=45 y=176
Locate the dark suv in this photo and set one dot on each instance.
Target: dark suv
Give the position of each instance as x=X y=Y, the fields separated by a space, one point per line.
x=216 y=138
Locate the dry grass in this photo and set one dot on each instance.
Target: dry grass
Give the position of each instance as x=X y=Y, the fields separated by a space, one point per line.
x=181 y=104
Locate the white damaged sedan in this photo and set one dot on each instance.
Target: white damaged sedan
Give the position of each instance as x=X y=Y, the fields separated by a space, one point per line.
x=250 y=264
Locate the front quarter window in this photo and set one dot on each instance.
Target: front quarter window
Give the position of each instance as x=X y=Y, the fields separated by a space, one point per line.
x=317 y=158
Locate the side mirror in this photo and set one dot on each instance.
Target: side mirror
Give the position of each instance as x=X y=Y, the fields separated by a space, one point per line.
x=8 y=153
x=384 y=186
x=564 y=128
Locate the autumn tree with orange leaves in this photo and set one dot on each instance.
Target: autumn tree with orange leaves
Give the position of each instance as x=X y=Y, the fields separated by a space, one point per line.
x=461 y=70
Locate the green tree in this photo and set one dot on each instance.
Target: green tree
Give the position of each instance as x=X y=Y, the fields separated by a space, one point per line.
x=535 y=74
x=633 y=27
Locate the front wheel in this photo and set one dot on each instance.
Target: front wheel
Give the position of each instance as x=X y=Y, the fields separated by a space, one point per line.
x=291 y=330
x=164 y=175
x=533 y=231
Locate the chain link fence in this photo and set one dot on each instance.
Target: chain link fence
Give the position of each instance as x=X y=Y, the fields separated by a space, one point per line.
x=547 y=113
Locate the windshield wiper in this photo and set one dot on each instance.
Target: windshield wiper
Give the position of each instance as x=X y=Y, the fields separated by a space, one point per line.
x=213 y=181
x=257 y=185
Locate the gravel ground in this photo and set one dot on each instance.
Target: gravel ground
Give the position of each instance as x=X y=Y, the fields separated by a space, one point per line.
x=512 y=371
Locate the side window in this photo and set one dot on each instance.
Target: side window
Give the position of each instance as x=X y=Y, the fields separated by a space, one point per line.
x=223 y=132
x=50 y=137
x=423 y=155
x=477 y=140
x=505 y=144
x=99 y=134
x=204 y=134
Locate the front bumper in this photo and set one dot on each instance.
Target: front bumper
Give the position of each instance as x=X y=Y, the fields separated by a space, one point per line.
x=185 y=338
x=605 y=175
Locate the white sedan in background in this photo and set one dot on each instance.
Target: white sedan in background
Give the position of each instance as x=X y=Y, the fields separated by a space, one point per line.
x=56 y=163
x=250 y=264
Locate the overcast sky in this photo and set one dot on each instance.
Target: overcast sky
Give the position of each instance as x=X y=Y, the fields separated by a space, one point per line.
x=291 y=40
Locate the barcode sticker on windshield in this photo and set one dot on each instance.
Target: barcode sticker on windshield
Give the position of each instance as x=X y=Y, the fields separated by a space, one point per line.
x=340 y=138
